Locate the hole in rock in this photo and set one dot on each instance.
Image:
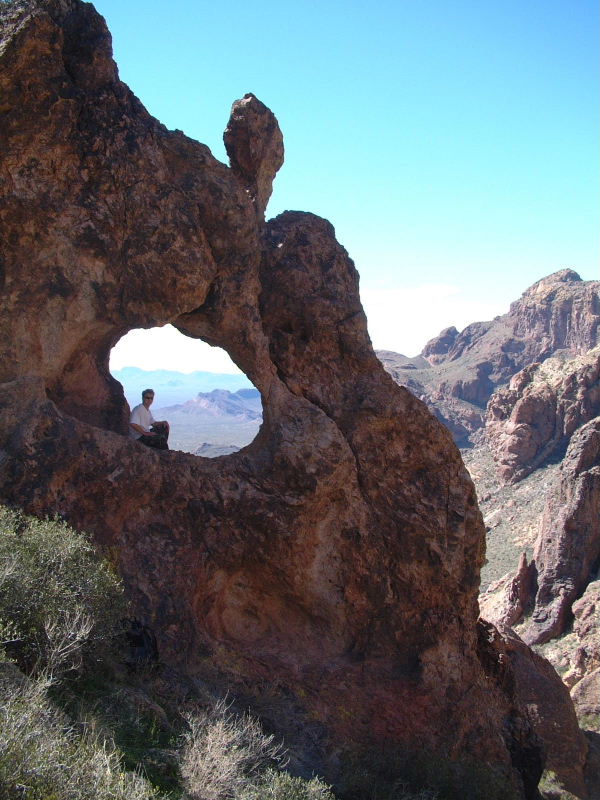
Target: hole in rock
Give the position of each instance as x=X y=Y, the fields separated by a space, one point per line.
x=212 y=407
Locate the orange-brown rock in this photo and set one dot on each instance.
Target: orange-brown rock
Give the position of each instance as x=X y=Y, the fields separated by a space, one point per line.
x=338 y=555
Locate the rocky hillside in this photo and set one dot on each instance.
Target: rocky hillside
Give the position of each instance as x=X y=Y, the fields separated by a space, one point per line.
x=522 y=395
x=457 y=373
x=334 y=563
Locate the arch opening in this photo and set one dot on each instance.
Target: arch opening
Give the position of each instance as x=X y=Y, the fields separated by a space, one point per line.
x=212 y=407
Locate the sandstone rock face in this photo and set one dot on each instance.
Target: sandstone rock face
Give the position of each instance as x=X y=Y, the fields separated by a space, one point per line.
x=458 y=372
x=567 y=550
x=338 y=555
x=536 y=415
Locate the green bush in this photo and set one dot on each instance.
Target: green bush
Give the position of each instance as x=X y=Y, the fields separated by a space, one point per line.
x=59 y=603
x=43 y=757
x=275 y=785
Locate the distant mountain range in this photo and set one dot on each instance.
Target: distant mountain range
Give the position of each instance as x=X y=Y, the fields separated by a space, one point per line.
x=245 y=404
x=174 y=388
x=457 y=372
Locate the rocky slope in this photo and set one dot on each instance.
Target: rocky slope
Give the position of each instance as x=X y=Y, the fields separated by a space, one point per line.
x=214 y=423
x=531 y=421
x=550 y=413
x=533 y=434
x=457 y=373
x=336 y=557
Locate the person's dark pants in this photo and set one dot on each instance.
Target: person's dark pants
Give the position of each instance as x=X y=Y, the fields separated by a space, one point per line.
x=160 y=440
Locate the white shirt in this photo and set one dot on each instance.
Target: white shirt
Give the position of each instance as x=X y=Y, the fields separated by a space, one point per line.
x=140 y=416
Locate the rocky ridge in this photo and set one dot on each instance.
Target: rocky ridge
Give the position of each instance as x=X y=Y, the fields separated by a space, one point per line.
x=457 y=373
x=338 y=555
x=540 y=425
x=554 y=406
x=532 y=421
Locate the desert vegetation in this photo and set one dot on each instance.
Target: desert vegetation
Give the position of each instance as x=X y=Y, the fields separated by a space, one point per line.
x=76 y=721
x=80 y=719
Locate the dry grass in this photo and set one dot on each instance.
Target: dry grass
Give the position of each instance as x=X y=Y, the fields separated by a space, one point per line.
x=224 y=754
x=43 y=757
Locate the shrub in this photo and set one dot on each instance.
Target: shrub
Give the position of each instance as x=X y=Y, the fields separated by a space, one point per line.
x=42 y=757
x=224 y=754
x=58 y=601
x=275 y=785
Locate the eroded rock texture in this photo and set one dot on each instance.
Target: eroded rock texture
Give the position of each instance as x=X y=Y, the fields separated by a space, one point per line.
x=338 y=555
x=567 y=550
x=534 y=418
x=530 y=679
x=583 y=675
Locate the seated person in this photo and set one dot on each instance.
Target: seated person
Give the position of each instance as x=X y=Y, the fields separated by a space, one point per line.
x=144 y=428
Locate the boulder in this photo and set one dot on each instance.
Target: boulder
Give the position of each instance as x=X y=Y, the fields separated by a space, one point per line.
x=533 y=684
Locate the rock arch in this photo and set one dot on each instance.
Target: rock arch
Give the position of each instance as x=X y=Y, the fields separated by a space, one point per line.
x=340 y=551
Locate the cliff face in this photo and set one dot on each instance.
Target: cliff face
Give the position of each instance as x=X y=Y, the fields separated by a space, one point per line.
x=567 y=550
x=534 y=418
x=550 y=411
x=457 y=373
x=540 y=498
x=338 y=555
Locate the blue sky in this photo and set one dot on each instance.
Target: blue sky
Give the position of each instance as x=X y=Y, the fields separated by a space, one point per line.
x=453 y=144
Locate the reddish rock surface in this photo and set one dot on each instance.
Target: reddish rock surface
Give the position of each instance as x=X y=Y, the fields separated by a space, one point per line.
x=338 y=555
x=531 y=681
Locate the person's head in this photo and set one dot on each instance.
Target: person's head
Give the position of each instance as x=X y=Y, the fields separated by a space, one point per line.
x=147 y=397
